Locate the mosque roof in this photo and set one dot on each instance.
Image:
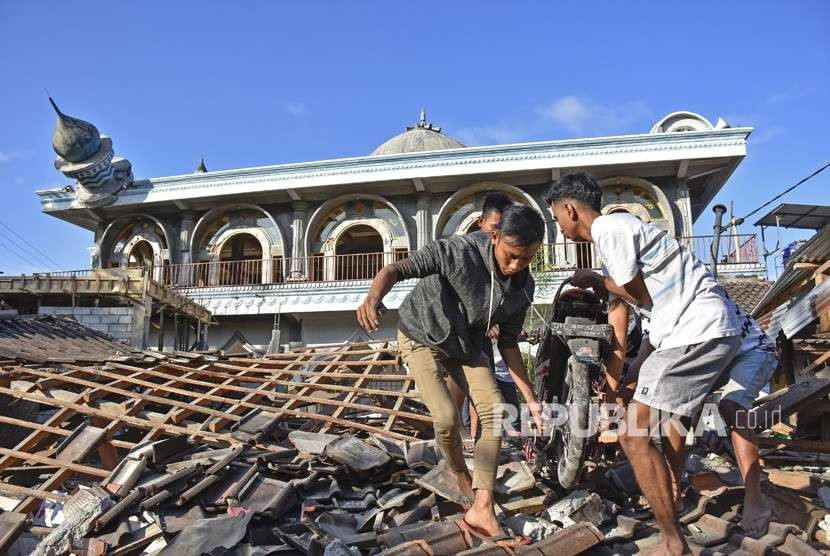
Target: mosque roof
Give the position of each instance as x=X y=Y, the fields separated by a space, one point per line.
x=421 y=137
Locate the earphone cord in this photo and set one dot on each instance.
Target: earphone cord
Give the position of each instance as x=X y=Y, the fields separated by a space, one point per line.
x=535 y=310
x=492 y=294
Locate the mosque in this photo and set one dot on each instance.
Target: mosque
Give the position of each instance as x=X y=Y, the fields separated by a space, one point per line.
x=301 y=241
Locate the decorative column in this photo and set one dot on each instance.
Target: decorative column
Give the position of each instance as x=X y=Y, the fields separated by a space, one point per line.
x=684 y=204
x=95 y=250
x=185 y=275
x=297 y=270
x=423 y=220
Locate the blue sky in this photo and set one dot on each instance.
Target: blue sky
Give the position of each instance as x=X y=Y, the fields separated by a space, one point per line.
x=275 y=82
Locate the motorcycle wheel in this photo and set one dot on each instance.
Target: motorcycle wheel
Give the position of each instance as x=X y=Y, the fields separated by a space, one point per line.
x=572 y=445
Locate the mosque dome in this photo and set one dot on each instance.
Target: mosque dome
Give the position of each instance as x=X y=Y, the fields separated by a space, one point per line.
x=74 y=140
x=420 y=138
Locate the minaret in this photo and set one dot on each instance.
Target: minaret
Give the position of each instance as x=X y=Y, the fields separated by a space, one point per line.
x=87 y=157
x=201 y=169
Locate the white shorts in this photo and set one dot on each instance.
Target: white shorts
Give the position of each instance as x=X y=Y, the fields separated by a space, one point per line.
x=748 y=374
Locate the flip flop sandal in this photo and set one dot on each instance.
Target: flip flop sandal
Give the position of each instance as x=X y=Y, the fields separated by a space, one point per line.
x=690 y=501
x=418 y=546
x=702 y=537
x=505 y=542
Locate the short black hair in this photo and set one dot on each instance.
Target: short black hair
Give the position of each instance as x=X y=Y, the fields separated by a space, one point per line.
x=579 y=186
x=495 y=202
x=523 y=225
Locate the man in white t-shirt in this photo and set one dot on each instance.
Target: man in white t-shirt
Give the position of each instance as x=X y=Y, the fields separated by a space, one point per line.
x=739 y=386
x=693 y=331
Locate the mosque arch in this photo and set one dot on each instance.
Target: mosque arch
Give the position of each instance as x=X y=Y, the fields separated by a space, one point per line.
x=134 y=241
x=459 y=213
x=639 y=197
x=338 y=214
x=220 y=223
x=242 y=244
x=339 y=227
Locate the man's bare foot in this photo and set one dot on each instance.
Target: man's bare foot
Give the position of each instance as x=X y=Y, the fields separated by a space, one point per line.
x=483 y=518
x=755 y=519
x=465 y=485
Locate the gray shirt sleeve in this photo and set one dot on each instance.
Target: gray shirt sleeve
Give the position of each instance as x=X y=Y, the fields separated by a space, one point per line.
x=433 y=258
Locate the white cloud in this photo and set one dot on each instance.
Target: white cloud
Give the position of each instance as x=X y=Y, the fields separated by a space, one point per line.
x=570 y=112
x=491 y=135
x=572 y=115
x=7 y=156
x=295 y=109
x=582 y=116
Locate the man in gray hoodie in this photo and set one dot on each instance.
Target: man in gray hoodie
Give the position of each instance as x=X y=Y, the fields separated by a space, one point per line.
x=469 y=284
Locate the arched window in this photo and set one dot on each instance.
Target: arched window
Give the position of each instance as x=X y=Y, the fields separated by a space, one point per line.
x=359 y=251
x=240 y=259
x=141 y=255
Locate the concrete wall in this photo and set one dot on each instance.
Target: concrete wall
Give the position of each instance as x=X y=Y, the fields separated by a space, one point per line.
x=125 y=323
x=326 y=328
x=310 y=328
x=256 y=328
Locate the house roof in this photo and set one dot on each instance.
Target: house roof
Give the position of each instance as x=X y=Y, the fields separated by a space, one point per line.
x=815 y=252
x=789 y=215
x=747 y=292
x=56 y=339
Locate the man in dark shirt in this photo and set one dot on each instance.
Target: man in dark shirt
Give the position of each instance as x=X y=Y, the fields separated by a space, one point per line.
x=442 y=329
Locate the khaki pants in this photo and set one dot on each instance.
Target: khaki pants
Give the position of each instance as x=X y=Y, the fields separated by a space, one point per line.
x=428 y=368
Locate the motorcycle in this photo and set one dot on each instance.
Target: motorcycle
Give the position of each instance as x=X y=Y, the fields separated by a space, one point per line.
x=569 y=371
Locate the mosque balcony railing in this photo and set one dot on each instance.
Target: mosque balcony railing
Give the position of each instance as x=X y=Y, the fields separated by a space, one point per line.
x=551 y=259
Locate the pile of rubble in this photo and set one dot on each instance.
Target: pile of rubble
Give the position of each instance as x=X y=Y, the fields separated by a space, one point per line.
x=327 y=450
x=273 y=490
x=324 y=451
x=308 y=493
